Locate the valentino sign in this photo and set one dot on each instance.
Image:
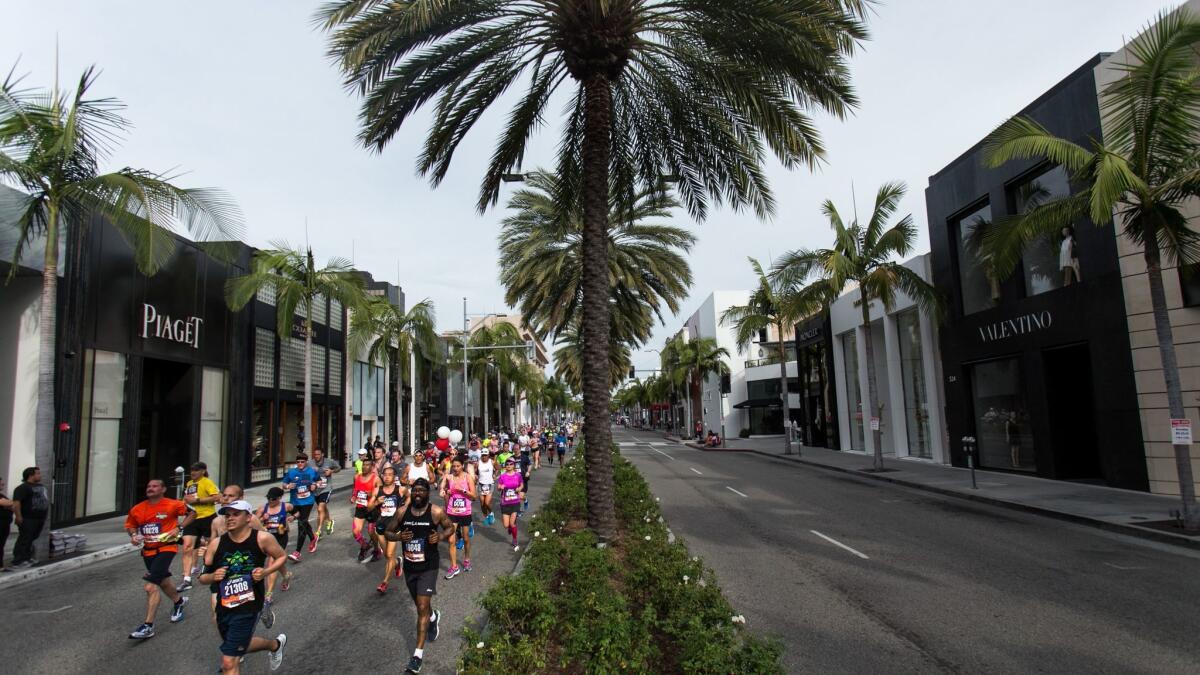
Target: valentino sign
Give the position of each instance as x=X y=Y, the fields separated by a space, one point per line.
x=1021 y=325
x=162 y=326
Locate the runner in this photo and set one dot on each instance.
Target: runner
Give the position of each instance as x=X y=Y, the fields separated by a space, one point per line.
x=379 y=459
x=418 y=469
x=362 y=456
x=365 y=485
x=458 y=489
x=201 y=495
x=562 y=452
x=300 y=479
x=275 y=516
x=229 y=494
x=325 y=468
x=511 y=494
x=486 y=475
x=153 y=524
x=238 y=563
x=420 y=528
x=387 y=500
x=525 y=464
x=535 y=449
x=570 y=436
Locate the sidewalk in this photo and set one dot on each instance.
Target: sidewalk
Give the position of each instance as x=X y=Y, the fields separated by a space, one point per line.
x=106 y=539
x=1125 y=511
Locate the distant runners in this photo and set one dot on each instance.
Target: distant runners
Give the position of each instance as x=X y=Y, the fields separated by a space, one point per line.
x=300 y=479
x=153 y=524
x=485 y=473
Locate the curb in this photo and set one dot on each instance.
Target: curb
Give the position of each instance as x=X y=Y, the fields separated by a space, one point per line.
x=1119 y=528
x=41 y=572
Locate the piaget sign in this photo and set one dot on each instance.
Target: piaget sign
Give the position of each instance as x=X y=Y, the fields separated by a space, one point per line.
x=1021 y=325
x=162 y=326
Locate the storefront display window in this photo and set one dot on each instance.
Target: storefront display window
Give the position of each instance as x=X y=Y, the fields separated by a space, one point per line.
x=1002 y=423
x=978 y=291
x=1041 y=256
x=97 y=477
x=912 y=375
x=262 y=439
x=853 y=393
x=213 y=392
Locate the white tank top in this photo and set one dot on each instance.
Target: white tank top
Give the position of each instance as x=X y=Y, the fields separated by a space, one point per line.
x=487 y=472
x=415 y=472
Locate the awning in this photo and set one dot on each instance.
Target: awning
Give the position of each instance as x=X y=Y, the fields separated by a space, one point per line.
x=759 y=403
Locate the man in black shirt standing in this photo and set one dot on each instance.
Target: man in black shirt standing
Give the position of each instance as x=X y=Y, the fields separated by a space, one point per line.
x=31 y=506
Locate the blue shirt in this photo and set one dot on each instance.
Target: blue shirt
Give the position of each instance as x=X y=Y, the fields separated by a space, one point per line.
x=303 y=480
x=560 y=439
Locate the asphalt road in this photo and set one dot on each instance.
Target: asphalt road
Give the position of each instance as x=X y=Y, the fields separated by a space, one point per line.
x=334 y=619
x=861 y=576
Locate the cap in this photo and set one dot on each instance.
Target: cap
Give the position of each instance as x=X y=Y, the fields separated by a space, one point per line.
x=510 y=460
x=362 y=451
x=239 y=505
x=199 y=466
x=274 y=493
x=486 y=452
x=429 y=444
x=395 y=444
x=420 y=482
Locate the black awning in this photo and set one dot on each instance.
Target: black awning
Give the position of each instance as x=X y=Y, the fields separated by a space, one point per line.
x=759 y=403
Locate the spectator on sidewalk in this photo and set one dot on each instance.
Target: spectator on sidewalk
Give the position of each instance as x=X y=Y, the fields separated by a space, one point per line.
x=31 y=507
x=6 y=518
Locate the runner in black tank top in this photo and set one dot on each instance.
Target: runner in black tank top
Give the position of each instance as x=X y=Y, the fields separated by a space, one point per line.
x=419 y=530
x=388 y=499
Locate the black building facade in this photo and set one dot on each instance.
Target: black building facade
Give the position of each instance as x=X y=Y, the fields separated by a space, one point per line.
x=1037 y=370
x=814 y=371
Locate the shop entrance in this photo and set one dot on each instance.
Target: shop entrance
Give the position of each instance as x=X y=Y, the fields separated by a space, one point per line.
x=165 y=421
x=1068 y=373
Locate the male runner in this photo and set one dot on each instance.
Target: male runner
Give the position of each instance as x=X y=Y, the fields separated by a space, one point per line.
x=325 y=468
x=237 y=563
x=300 y=480
x=418 y=469
x=486 y=472
x=420 y=528
x=363 y=455
x=201 y=495
x=153 y=524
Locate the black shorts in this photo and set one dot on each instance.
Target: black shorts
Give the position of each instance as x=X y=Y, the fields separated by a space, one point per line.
x=360 y=512
x=282 y=538
x=237 y=629
x=421 y=583
x=509 y=509
x=461 y=521
x=200 y=527
x=158 y=566
x=382 y=524
x=323 y=498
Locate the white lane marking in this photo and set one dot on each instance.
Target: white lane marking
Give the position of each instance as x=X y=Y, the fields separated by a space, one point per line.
x=694 y=470
x=49 y=611
x=1123 y=567
x=839 y=544
x=658 y=443
x=662 y=453
x=736 y=492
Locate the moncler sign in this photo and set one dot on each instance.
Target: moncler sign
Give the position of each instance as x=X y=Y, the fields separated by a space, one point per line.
x=162 y=326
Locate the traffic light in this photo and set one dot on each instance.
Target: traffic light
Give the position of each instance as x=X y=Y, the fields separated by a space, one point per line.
x=632 y=373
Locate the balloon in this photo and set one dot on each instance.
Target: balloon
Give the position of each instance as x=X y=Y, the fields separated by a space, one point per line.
x=523 y=440
x=441 y=444
x=443 y=432
x=456 y=437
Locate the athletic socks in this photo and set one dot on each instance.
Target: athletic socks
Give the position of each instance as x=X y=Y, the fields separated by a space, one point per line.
x=419 y=653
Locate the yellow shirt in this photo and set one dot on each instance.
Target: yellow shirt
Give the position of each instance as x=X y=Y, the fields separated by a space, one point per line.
x=202 y=488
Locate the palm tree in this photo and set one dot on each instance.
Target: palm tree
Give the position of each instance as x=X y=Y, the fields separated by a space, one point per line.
x=692 y=88
x=1146 y=172
x=556 y=396
x=700 y=358
x=569 y=359
x=389 y=333
x=863 y=257
x=541 y=242
x=764 y=310
x=491 y=346
x=51 y=146
x=298 y=285
x=670 y=358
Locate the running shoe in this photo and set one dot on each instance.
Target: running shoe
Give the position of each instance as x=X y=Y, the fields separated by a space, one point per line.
x=294 y=556
x=329 y=526
x=277 y=655
x=287 y=581
x=268 y=614
x=177 y=610
x=185 y=586
x=312 y=548
x=515 y=547
x=398 y=566
x=376 y=554
x=143 y=632
x=363 y=557
x=466 y=566
x=382 y=587
x=452 y=572
x=414 y=665
x=433 y=625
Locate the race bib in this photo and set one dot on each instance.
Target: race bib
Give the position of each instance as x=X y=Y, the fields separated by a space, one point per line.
x=191 y=490
x=321 y=484
x=485 y=488
x=360 y=498
x=510 y=494
x=151 y=530
x=387 y=510
x=414 y=550
x=302 y=492
x=458 y=503
x=236 y=591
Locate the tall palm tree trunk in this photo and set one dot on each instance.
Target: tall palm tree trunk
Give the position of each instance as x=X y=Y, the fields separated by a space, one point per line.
x=47 y=355
x=309 y=429
x=783 y=392
x=873 y=410
x=1170 y=368
x=597 y=434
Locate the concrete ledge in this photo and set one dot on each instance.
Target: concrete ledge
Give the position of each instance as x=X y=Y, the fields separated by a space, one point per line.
x=20 y=577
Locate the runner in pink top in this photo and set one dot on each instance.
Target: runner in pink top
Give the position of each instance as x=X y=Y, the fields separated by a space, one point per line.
x=458 y=489
x=512 y=493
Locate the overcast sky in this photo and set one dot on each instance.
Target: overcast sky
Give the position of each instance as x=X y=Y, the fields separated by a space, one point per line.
x=239 y=95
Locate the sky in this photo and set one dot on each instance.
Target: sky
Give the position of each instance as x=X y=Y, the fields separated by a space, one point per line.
x=239 y=94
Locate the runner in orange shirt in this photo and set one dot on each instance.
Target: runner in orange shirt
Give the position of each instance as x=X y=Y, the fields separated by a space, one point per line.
x=154 y=525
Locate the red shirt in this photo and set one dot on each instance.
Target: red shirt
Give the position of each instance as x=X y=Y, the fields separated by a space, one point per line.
x=153 y=520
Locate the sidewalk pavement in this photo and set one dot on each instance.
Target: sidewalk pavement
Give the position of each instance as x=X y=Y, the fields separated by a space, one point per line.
x=106 y=539
x=1108 y=508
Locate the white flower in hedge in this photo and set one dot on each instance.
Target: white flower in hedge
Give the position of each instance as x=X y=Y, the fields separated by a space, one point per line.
x=739 y=619
x=695 y=558
x=537 y=534
x=478 y=645
x=702 y=583
x=647 y=537
x=685 y=578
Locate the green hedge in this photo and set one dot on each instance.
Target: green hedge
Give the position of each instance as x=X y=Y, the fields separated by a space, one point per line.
x=642 y=605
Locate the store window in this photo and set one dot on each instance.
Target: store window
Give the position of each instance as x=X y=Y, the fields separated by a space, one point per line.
x=1040 y=259
x=262 y=440
x=912 y=376
x=979 y=291
x=1189 y=284
x=98 y=472
x=1002 y=424
x=214 y=391
x=853 y=393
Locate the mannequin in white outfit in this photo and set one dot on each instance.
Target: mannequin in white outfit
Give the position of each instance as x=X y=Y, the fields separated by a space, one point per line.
x=1068 y=262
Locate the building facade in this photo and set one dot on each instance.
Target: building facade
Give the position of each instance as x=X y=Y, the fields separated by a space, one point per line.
x=816 y=379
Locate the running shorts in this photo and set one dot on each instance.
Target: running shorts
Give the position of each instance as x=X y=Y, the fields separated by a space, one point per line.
x=461 y=521
x=421 y=583
x=237 y=628
x=509 y=509
x=158 y=566
x=360 y=512
x=200 y=527
x=282 y=538
x=485 y=489
x=323 y=498
x=382 y=524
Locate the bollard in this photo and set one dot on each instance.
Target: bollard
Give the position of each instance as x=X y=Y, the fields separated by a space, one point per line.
x=179 y=471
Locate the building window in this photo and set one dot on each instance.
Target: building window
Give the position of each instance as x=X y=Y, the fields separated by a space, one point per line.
x=912 y=377
x=979 y=291
x=1189 y=284
x=1040 y=258
x=853 y=393
x=1002 y=426
x=213 y=392
x=97 y=475
x=264 y=358
x=262 y=440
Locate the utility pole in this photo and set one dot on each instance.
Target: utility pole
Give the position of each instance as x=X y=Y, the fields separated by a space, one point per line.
x=466 y=398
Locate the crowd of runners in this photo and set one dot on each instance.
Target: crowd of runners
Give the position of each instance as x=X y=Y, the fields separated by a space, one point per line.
x=238 y=550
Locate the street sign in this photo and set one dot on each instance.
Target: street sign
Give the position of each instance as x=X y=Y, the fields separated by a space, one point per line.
x=1181 y=432
x=874 y=424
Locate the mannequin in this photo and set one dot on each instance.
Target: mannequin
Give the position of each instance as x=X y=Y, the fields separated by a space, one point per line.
x=1068 y=261
x=1013 y=433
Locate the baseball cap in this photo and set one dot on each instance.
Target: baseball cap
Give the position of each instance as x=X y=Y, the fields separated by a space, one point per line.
x=486 y=452
x=362 y=451
x=274 y=493
x=199 y=466
x=510 y=460
x=239 y=505
x=395 y=444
